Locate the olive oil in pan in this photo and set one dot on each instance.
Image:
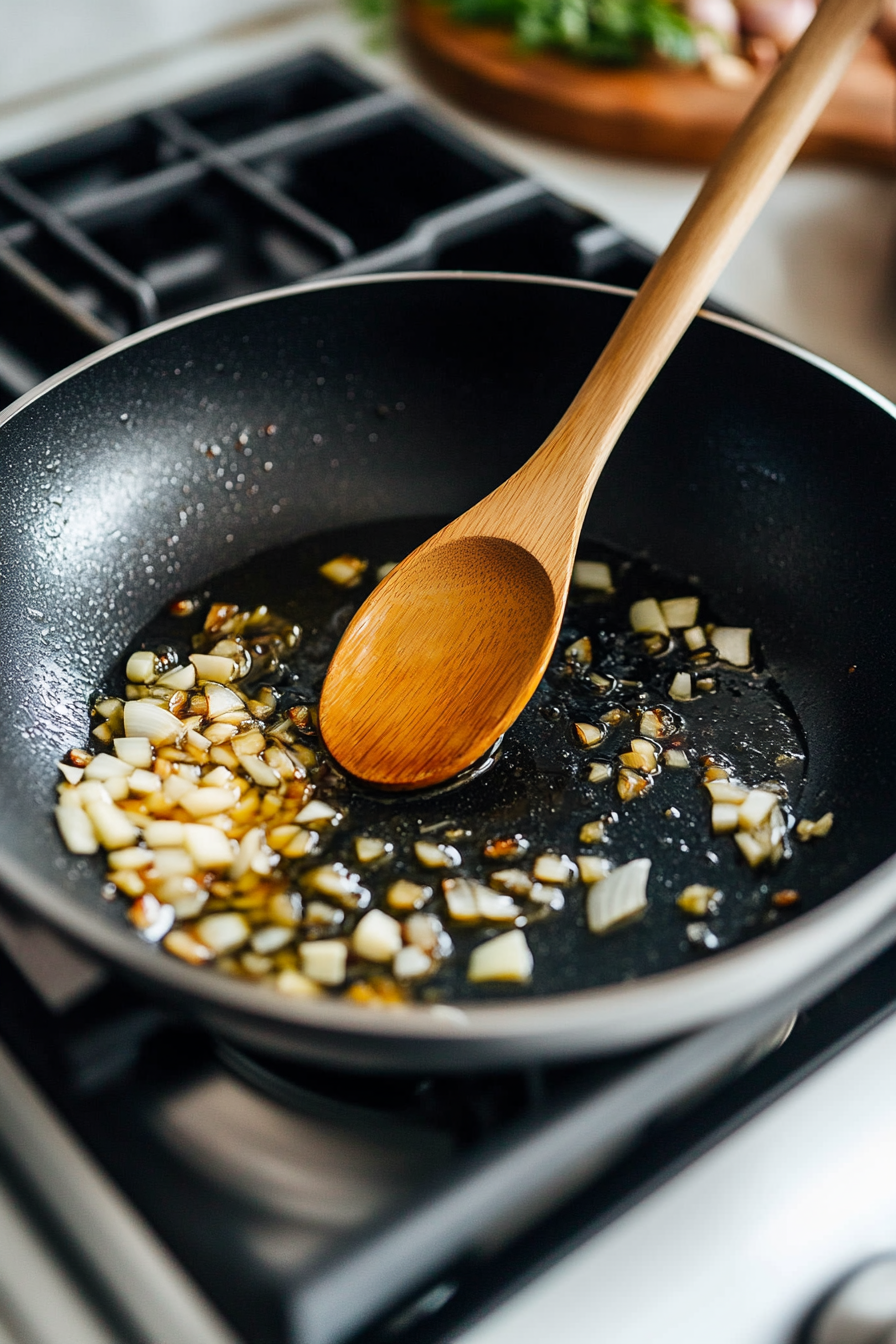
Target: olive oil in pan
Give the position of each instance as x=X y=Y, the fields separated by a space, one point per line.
x=539 y=792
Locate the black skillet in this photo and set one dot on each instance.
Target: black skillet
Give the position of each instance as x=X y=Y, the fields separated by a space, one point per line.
x=760 y=469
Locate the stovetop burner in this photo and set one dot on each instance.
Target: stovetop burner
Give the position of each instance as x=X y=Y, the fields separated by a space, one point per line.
x=315 y=1207
x=305 y=170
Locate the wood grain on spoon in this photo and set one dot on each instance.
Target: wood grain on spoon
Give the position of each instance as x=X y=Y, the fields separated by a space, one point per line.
x=449 y=648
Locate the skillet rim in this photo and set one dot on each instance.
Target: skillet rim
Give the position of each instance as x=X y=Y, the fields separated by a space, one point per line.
x=650 y=1008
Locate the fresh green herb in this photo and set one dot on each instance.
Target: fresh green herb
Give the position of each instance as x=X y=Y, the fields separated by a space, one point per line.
x=608 y=32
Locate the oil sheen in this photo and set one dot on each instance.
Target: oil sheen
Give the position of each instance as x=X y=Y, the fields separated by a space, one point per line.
x=537 y=785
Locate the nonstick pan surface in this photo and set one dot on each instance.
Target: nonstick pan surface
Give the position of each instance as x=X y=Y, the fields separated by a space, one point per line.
x=765 y=472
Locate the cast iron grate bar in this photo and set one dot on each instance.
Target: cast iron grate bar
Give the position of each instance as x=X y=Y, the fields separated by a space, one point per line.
x=303 y=170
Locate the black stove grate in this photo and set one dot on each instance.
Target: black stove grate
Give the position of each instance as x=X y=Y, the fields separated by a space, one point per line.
x=305 y=170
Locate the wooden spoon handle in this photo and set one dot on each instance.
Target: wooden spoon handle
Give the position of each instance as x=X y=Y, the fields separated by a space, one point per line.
x=756 y=158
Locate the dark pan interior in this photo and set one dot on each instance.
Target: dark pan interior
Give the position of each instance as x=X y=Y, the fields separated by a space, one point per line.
x=748 y=466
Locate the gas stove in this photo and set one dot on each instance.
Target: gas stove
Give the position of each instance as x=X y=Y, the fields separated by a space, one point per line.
x=167 y=1185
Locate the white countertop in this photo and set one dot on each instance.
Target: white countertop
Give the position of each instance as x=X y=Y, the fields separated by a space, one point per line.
x=818 y=267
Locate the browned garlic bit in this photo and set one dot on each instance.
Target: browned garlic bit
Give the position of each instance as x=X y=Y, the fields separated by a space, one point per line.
x=345 y=571
x=814 y=830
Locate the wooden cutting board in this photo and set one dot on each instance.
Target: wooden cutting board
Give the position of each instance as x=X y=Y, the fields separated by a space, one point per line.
x=676 y=115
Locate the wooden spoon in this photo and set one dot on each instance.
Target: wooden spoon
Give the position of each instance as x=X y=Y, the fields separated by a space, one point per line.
x=449 y=648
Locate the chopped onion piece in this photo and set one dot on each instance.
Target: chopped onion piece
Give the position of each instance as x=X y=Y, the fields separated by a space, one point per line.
x=756 y=808
x=286 y=908
x=695 y=638
x=211 y=668
x=599 y=772
x=173 y=861
x=175 y=786
x=411 y=963
x=295 y=985
x=377 y=936
x=512 y=880
x=133 y=856
x=72 y=773
x=815 y=830
x=679 y=612
x=426 y=931
x=319 y=914
x=461 y=899
x=113 y=828
x=334 y=879
x=143 y=783
x=506 y=957
x=725 y=818
x=218 y=778
x=222 y=700
x=369 y=848
x=316 y=813
x=646 y=617
x=151 y=917
x=207 y=846
x=129 y=882
x=732 y=644
x=754 y=847
x=593 y=867
x=592 y=574
x=630 y=783
x=76 y=830
x=590 y=734
x=344 y=570
x=141 y=667
x=543 y=894
x=105 y=767
x=697 y=899
x=436 y=856
x=144 y=718
x=179 y=678
x=134 y=751
x=620 y=896
x=208 y=802
x=216 y=733
x=271 y=938
x=495 y=905
x=223 y=932
x=637 y=760
x=262 y=773
x=681 y=686
x=554 y=868
x=592 y=833
x=723 y=791
x=181 y=943
x=164 y=834
x=404 y=895
x=184 y=893
x=602 y=683
x=323 y=960
x=650 y=724
x=91 y=791
x=249 y=850
x=676 y=759
x=250 y=743
x=579 y=652
x=302 y=843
